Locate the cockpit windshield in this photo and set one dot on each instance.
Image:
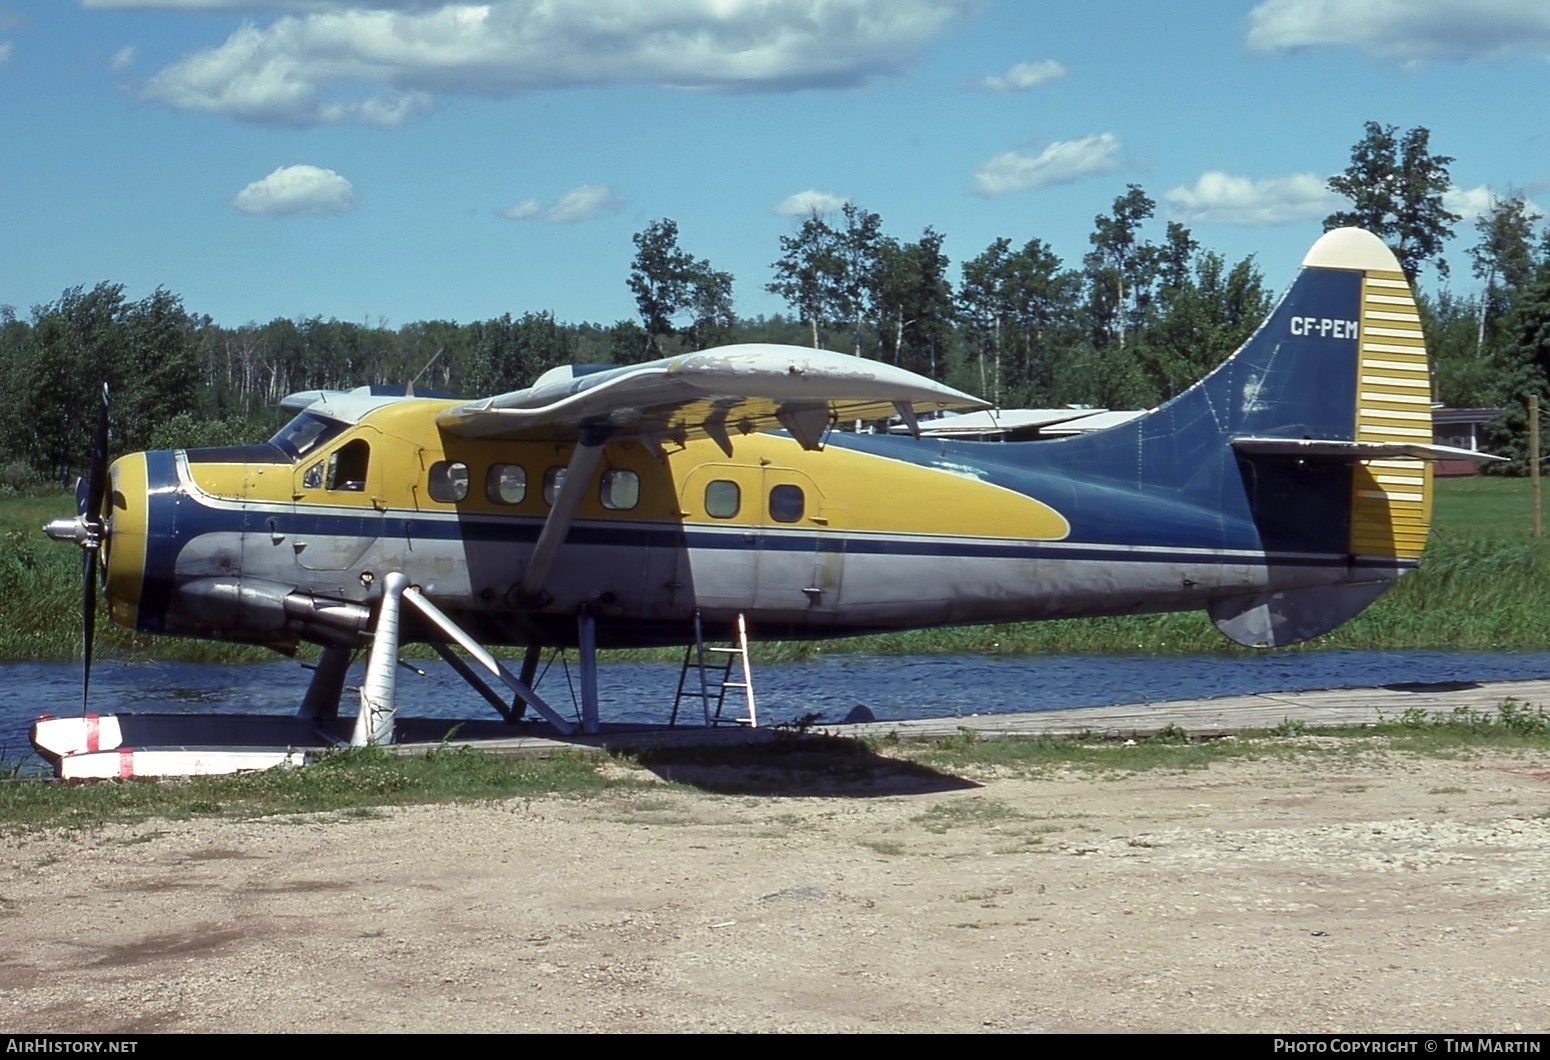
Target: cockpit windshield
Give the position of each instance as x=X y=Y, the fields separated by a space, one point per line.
x=305 y=433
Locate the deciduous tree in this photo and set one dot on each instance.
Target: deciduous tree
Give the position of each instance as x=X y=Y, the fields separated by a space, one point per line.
x=1018 y=306
x=1200 y=317
x=914 y=302
x=858 y=242
x=1528 y=370
x=1395 y=186
x=668 y=282
x=1503 y=260
x=1121 y=268
x=807 y=273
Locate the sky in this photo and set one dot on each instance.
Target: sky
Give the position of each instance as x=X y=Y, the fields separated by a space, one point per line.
x=388 y=161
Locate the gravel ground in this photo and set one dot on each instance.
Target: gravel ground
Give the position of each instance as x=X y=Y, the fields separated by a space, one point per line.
x=1320 y=892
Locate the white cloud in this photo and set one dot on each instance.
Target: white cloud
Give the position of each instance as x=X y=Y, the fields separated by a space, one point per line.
x=11 y=20
x=380 y=61
x=811 y=201
x=1468 y=203
x=251 y=5
x=1221 y=198
x=1410 y=31
x=1224 y=199
x=579 y=204
x=123 y=58
x=1473 y=203
x=1060 y=163
x=1024 y=76
x=292 y=190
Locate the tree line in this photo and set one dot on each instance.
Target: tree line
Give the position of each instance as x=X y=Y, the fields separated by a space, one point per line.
x=1141 y=316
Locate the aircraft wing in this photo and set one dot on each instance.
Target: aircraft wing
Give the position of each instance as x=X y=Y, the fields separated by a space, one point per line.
x=714 y=393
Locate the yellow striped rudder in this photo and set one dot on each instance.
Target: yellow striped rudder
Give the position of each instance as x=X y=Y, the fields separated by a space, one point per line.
x=1391 y=499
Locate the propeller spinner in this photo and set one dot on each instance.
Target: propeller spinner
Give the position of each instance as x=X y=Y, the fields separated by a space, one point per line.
x=89 y=530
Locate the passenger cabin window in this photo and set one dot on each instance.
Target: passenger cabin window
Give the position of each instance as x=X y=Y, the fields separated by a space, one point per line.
x=722 y=499
x=448 y=481
x=506 y=483
x=620 y=490
x=787 y=504
x=554 y=478
x=347 y=466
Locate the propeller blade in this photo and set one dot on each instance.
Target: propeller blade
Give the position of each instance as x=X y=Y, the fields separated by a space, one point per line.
x=91 y=514
x=97 y=477
x=88 y=620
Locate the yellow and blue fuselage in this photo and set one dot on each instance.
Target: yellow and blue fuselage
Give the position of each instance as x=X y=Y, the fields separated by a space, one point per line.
x=278 y=542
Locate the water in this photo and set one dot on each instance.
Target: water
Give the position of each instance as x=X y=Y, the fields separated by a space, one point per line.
x=892 y=687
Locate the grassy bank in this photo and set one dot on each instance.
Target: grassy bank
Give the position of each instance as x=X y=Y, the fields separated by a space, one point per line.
x=355 y=782
x=1484 y=584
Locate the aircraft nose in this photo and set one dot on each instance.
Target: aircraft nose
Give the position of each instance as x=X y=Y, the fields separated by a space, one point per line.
x=125 y=531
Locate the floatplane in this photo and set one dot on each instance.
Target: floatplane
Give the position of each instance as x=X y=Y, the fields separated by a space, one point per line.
x=693 y=497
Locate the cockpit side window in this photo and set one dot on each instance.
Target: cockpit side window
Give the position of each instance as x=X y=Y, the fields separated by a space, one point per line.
x=305 y=433
x=347 y=466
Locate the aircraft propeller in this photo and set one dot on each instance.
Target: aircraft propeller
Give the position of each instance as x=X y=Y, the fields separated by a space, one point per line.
x=88 y=530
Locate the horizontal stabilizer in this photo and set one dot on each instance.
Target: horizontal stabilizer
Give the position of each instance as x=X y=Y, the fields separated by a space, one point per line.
x=1341 y=450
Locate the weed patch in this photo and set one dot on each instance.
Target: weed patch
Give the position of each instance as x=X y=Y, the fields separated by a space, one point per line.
x=945 y=816
x=1512 y=724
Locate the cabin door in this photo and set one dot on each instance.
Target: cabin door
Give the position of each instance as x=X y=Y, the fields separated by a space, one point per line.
x=801 y=555
x=337 y=507
x=761 y=537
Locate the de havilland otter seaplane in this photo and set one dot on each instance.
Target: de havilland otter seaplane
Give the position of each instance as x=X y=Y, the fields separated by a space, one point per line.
x=707 y=494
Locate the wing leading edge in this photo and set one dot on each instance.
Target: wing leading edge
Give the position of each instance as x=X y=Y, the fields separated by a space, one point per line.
x=713 y=394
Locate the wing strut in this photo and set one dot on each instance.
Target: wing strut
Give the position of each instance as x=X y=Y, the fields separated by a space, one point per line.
x=578 y=479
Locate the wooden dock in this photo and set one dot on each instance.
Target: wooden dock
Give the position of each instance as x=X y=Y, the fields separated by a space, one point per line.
x=1231 y=714
x=130 y=745
x=1222 y=716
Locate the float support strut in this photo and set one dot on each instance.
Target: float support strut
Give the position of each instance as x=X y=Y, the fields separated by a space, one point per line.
x=586 y=645
x=491 y=665
x=321 y=703
x=379 y=692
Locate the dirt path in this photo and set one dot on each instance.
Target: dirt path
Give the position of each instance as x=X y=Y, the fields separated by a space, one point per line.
x=1319 y=893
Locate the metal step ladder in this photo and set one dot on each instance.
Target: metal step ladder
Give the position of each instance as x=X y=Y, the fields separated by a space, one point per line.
x=718 y=668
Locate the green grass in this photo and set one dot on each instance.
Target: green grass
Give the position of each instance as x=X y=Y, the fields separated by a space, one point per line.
x=1484 y=584
x=1492 y=507
x=1170 y=749
x=351 y=782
